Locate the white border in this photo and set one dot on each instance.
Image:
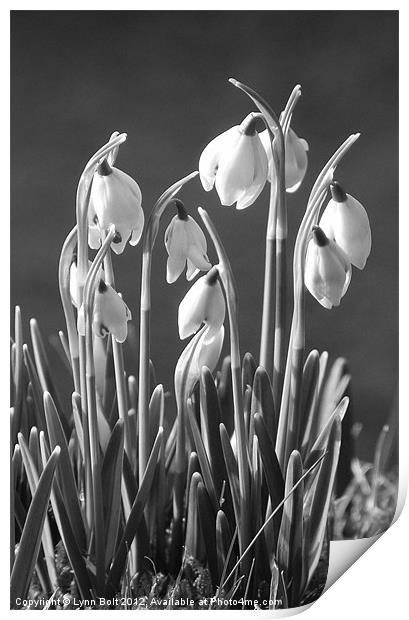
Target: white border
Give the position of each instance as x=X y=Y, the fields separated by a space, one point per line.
x=377 y=584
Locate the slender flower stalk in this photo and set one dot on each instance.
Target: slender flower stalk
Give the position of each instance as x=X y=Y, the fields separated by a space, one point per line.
x=119 y=368
x=149 y=237
x=289 y=413
x=229 y=285
x=286 y=116
x=64 y=266
x=272 y=351
x=89 y=292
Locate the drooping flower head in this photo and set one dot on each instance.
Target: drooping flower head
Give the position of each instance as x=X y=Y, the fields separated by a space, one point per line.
x=236 y=163
x=115 y=199
x=110 y=314
x=327 y=269
x=186 y=244
x=296 y=159
x=203 y=303
x=202 y=307
x=345 y=221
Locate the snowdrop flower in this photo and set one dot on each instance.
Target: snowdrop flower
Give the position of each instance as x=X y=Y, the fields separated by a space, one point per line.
x=236 y=163
x=111 y=314
x=74 y=281
x=185 y=243
x=115 y=199
x=345 y=221
x=327 y=270
x=296 y=158
x=203 y=303
x=203 y=350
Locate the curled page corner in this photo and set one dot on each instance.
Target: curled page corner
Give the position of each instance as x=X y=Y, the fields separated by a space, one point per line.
x=344 y=553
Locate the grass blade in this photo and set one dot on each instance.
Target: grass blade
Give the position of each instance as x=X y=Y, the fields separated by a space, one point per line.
x=44 y=372
x=223 y=540
x=210 y=419
x=193 y=536
x=290 y=538
x=309 y=389
x=225 y=391
x=66 y=532
x=156 y=411
x=111 y=488
x=207 y=518
x=135 y=516
x=321 y=443
x=279 y=507
x=248 y=369
x=37 y=391
x=32 y=475
x=76 y=413
x=263 y=402
x=271 y=467
x=65 y=474
x=31 y=536
x=18 y=374
x=318 y=498
x=232 y=471
x=202 y=456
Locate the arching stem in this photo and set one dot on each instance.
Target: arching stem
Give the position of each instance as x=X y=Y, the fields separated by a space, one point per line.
x=272 y=351
x=149 y=237
x=288 y=428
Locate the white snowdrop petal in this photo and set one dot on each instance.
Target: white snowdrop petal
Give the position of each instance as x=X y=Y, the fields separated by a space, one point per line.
x=236 y=171
x=116 y=199
x=192 y=309
x=210 y=348
x=191 y=271
x=174 y=267
x=198 y=258
x=209 y=159
x=94 y=238
x=296 y=161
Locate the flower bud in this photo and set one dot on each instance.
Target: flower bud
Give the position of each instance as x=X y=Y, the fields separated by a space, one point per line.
x=110 y=315
x=236 y=163
x=327 y=270
x=203 y=303
x=185 y=243
x=346 y=222
x=115 y=199
x=296 y=159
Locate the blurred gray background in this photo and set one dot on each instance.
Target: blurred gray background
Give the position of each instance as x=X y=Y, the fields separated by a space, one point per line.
x=162 y=77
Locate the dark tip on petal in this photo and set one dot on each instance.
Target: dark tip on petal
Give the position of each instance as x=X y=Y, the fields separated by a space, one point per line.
x=95 y=219
x=212 y=276
x=182 y=213
x=320 y=237
x=102 y=287
x=117 y=238
x=104 y=169
x=337 y=192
